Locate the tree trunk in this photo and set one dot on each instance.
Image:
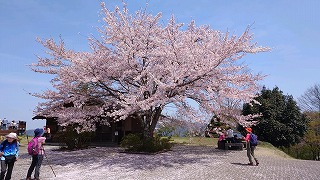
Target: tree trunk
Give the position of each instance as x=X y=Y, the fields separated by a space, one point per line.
x=150 y=120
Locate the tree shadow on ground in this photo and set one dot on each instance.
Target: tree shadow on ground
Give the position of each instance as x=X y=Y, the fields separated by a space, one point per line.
x=180 y=155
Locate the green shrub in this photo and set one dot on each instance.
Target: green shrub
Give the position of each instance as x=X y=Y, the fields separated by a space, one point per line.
x=132 y=142
x=301 y=151
x=74 y=140
x=165 y=142
x=136 y=143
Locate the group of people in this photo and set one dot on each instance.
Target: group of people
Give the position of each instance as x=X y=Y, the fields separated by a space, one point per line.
x=227 y=136
x=4 y=124
x=9 y=152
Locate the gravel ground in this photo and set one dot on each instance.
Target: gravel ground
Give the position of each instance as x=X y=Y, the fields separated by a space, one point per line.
x=183 y=162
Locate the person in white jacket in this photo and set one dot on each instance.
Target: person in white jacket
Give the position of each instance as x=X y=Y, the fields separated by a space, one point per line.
x=230 y=137
x=37 y=159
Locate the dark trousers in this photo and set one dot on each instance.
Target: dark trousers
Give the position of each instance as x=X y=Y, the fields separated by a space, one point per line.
x=35 y=164
x=250 y=153
x=221 y=144
x=230 y=140
x=4 y=169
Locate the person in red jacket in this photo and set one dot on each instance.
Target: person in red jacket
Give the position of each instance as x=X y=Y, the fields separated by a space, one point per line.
x=250 y=148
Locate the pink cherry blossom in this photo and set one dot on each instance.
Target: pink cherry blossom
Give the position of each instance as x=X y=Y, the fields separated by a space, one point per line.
x=139 y=66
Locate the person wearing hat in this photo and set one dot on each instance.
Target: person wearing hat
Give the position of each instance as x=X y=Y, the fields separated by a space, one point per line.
x=37 y=159
x=9 y=154
x=250 y=148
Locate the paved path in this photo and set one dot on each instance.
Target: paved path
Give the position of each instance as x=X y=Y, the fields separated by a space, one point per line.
x=183 y=162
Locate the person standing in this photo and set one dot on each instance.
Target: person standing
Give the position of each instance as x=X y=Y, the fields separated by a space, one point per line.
x=230 y=137
x=45 y=131
x=9 y=155
x=48 y=137
x=37 y=159
x=250 y=148
x=4 y=124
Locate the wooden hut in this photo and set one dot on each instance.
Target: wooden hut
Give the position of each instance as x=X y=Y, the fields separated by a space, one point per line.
x=113 y=132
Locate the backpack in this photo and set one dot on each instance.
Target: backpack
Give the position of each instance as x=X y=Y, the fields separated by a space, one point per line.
x=253 y=139
x=33 y=147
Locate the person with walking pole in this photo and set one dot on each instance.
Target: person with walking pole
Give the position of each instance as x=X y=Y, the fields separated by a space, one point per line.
x=35 y=148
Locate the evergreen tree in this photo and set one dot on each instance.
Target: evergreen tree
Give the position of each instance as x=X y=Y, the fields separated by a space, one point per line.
x=281 y=123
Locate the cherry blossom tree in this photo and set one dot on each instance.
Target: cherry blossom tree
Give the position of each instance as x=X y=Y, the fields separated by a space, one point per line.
x=138 y=66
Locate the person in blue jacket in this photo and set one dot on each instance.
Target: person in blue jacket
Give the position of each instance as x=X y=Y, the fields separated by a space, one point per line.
x=9 y=155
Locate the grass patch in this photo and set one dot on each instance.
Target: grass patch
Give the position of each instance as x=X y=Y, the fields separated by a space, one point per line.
x=273 y=150
x=196 y=141
x=266 y=145
x=24 y=141
x=266 y=148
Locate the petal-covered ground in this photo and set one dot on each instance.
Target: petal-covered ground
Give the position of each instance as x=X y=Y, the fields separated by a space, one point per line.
x=183 y=162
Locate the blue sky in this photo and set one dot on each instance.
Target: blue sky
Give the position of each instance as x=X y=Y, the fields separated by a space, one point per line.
x=289 y=27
